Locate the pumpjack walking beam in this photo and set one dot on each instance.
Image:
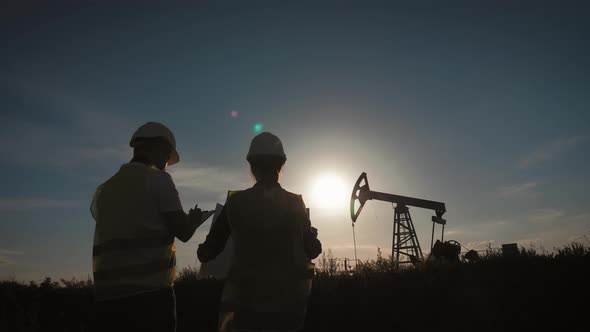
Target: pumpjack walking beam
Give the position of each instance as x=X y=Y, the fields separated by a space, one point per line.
x=405 y=241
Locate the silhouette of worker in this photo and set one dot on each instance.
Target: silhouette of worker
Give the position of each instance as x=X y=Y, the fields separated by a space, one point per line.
x=138 y=214
x=269 y=278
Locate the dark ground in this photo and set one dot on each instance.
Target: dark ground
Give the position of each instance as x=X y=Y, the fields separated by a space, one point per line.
x=526 y=292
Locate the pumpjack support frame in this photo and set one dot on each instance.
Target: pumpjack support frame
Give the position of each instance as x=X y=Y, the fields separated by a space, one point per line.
x=405 y=245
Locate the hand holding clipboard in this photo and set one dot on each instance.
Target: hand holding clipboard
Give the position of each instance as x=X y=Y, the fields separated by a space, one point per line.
x=203 y=214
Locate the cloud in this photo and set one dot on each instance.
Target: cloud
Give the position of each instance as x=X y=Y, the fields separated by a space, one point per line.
x=455 y=232
x=530 y=242
x=550 y=239
x=481 y=245
x=6 y=252
x=351 y=246
x=11 y=252
x=33 y=203
x=208 y=184
x=58 y=146
x=364 y=251
x=545 y=215
x=119 y=153
x=551 y=227
x=517 y=189
x=78 y=130
x=549 y=150
x=581 y=217
x=580 y=238
x=208 y=178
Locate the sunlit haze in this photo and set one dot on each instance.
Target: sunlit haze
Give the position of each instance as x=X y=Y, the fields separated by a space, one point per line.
x=329 y=192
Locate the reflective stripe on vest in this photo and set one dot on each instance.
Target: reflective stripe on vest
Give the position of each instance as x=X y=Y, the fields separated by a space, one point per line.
x=133 y=243
x=133 y=251
x=130 y=271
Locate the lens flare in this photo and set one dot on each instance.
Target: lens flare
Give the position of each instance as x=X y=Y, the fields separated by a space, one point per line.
x=234 y=114
x=258 y=128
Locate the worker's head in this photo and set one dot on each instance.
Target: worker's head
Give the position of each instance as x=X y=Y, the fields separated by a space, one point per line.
x=155 y=144
x=266 y=157
x=155 y=151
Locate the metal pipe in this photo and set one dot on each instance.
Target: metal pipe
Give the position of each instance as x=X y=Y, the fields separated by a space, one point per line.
x=354 y=239
x=432 y=238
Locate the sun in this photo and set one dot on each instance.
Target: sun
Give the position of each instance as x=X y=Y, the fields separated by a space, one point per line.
x=329 y=192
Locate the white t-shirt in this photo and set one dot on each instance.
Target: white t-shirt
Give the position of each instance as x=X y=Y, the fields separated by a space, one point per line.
x=159 y=186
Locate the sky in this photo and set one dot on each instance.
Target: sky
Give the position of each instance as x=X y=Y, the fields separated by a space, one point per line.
x=482 y=105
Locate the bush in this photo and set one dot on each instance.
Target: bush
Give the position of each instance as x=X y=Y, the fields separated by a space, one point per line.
x=574 y=249
x=378 y=265
x=188 y=273
x=493 y=294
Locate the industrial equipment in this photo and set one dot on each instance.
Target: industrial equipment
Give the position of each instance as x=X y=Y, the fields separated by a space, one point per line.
x=471 y=256
x=448 y=250
x=405 y=246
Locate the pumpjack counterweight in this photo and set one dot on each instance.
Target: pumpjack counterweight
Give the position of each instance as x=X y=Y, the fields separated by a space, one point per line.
x=405 y=246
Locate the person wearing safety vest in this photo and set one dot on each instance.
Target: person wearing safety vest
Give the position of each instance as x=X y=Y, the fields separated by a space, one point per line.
x=138 y=214
x=270 y=274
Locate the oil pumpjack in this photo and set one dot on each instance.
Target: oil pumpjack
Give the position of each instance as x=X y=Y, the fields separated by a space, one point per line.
x=405 y=247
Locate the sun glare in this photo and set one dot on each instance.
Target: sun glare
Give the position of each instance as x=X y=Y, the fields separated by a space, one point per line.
x=329 y=192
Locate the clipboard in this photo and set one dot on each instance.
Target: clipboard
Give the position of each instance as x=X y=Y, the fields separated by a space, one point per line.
x=216 y=213
x=206 y=214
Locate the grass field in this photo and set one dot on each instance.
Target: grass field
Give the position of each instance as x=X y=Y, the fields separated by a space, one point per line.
x=530 y=291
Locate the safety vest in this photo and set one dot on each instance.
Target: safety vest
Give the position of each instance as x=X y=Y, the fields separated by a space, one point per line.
x=269 y=270
x=134 y=252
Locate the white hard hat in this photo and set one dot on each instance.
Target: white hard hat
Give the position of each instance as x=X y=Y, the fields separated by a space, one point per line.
x=155 y=129
x=266 y=144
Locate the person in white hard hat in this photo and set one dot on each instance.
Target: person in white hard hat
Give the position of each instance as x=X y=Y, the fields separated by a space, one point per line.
x=270 y=273
x=138 y=214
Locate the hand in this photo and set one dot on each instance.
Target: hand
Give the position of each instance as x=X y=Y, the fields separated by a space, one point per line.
x=195 y=214
x=195 y=208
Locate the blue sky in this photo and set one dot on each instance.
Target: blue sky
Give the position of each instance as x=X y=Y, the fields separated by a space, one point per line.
x=483 y=106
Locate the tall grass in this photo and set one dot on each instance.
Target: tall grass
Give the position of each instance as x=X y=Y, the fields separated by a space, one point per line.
x=534 y=288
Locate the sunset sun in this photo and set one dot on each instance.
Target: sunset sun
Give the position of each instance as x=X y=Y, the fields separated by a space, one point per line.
x=329 y=192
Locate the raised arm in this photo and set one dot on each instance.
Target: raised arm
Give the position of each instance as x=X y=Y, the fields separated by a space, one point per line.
x=181 y=225
x=311 y=243
x=216 y=239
